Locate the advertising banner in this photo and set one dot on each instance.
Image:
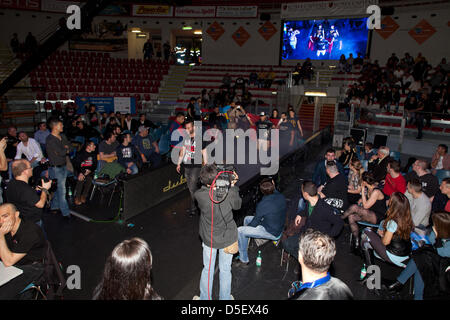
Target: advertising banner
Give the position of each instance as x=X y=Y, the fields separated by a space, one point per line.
x=195 y=12
x=141 y=10
x=325 y=8
x=21 y=4
x=237 y=11
x=107 y=104
x=58 y=6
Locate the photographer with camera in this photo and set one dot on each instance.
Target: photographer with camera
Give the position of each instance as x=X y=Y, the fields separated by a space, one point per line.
x=23 y=196
x=217 y=228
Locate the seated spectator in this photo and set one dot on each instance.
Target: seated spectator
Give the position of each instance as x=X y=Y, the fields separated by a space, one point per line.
x=371 y=208
x=441 y=201
x=320 y=174
x=316 y=253
x=86 y=132
x=349 y=152
x=253 y=78
x=23 y=246
x=261 y=78
x=419 y=203
x=394 y=182
x=131 y=261
x=149 y=149
x=334 y=191
x=368 y=151
x=430 y=184
x=270 y=77
x=41 y=135
x=130 y=124
x=268 y=221
x=396 y=98
x=354 y=181
x=441 y=159
x=128 y=155
x=112 y=124
x=85 y=164
x=23 y=196
x=239 y=83
x=378 y=164
x=107 y=149
x=33 y=153
x=317 y=215
x=429 y=265
x=226 y=80
x=93 y=117
x=392 y=242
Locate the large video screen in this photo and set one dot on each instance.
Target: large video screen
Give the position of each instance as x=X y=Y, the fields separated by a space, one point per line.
x=324 y=39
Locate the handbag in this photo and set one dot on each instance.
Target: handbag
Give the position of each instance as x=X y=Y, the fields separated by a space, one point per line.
x=232 y=249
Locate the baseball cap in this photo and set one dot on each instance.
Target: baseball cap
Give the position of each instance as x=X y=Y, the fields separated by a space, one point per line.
x=262 y=113
x=142 y=128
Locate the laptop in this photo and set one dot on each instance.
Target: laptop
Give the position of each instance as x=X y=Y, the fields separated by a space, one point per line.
x=8 y=273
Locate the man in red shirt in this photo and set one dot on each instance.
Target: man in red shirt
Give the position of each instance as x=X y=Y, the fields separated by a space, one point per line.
x=394 y=181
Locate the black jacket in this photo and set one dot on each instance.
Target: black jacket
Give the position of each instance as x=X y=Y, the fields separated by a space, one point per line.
x=224 y=228
x=379 y=169
x=85 y=161
x=323 y=219
x=334 y=289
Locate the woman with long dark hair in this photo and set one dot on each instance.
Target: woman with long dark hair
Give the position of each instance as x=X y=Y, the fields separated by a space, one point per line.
x=429 y=264
x=349 y=152
x=392 y=242
x=127 y=274
x=370 y=208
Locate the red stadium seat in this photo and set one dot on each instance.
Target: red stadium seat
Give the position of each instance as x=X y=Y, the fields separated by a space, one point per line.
x=52 y=96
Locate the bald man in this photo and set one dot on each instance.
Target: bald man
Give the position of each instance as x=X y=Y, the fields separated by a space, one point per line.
x=22 y=245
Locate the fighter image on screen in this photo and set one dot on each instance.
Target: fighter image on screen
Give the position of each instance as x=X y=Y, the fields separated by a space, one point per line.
x=333 y=36
x=321 y=46
x=292 y=34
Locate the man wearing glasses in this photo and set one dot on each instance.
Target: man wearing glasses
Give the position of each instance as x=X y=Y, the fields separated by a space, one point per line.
x=23 y=196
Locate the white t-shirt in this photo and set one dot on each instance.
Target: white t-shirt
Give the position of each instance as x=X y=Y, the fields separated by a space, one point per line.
x=32 y=150
x=440 y=164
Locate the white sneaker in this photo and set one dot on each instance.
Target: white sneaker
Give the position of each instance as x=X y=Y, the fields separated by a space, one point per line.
x=231 y=296
x=196 y=298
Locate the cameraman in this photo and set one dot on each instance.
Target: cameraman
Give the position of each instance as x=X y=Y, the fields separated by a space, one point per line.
x=224 y=232
x=23 y=196
x=3 y=163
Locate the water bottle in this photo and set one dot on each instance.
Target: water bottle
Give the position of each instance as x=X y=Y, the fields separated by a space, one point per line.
x=258 y=259
x=69 y=193
x=363 y=272
x=95 y=176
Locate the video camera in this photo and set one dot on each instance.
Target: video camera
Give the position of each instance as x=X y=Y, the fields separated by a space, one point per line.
x=223 y=181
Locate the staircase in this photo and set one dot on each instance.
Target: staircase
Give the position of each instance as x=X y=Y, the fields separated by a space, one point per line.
x=173 y=85
x=306 y=116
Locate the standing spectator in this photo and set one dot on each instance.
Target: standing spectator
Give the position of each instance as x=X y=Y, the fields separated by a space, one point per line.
x=224 y=235
x=420 y=204
x=253 y=79
x=394 y=182
x=149 y=149
x=41 y=135
x=31 y=43
x=342 y=63
x=263 y=131
x=316 y=253
x=296 y=127
x=148 y=50
x=441 y=159
x=392 y=241
x=174 y=126
x=57 y=151
x=356 y=103
x=430 y=184
x=166 y=49
x=268 y=221
x=358 y=60
x=131 y=261
x=3 y=164
x=85 y=164
x=128 y=155
x=15 y=44
x=189 y=155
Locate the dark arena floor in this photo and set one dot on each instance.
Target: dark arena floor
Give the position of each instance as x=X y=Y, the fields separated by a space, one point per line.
x=177 y=252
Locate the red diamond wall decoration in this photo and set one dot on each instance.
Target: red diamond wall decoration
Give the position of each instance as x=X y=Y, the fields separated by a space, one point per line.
x=422 y=31
x=215 y=30
x=241 y=36
x=388 y=27
x=267 y=30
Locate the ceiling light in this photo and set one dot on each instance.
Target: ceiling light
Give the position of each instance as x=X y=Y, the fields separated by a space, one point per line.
x=315 y=94
x=198 y=32
x=136 y=30
x=187 y=28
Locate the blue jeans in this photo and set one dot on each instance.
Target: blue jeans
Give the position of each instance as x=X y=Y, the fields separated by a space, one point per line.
x=408 y=272
x=245 y=233
x=225 y=260
x=134 y=169
x=59 y=201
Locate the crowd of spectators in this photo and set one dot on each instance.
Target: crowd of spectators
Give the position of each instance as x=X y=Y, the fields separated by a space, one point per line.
x=425 y=88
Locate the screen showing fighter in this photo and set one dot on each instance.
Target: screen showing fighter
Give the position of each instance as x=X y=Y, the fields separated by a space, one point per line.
x=324 y=39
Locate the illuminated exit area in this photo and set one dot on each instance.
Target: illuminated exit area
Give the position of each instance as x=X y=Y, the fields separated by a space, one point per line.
x=188 y=45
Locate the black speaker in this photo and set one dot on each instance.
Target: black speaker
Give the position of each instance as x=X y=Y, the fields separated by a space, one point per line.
x=387 y=11
x=359 y=135
x=264 y=17
x=380 y=140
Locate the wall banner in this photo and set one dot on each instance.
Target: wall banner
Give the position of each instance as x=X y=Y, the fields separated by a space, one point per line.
x=237 y=11
x=325 y=8
x=195 y=12
x=152 y=10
